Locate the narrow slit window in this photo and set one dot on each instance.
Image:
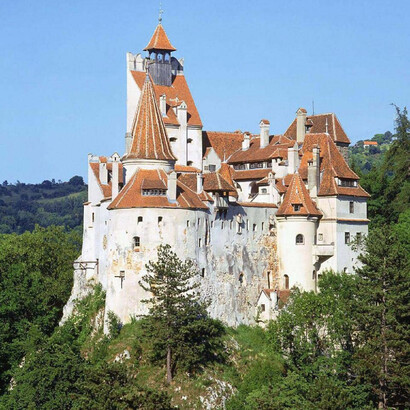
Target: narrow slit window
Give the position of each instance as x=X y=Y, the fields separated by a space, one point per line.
x=286 y=277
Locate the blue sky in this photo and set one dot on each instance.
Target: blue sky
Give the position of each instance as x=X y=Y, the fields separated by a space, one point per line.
x=63 y=84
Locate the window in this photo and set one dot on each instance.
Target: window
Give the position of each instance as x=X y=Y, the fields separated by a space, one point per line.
x=300 y=240
x=189 y=140
x=212 y=224
x=199 y=242
x=187 y=224
x=222 y=225
x=231 y=224
x=264 y=191
x=296 y=207
x=247 y=225
x=173 y=139
x=154 y=192
x=239 y=166
x=351 y=207
x=320 y=237
x=212 y=168
x=189 y=163
x=92 y=217
x=256 y=165
x=136 y=241
x=347 y=237
x=347 y=182
x=262 y=307
x=263 y=225
x=203 y=272
x=199 y=221
x=240 y=278
x=314 y=275
x=359 y=237
x=254 y=227
x=140 y=219
x=159 y=219
x=286 y=277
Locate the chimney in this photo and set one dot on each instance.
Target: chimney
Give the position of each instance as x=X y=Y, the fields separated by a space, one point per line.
x=182 y=113
x=172 y=186
x=163 y=105
x=103 y=173
x=300 y=125
x=314 y=172
x=128 y=142
x=246 y=141
x=115 y=175
x=264 y=134
x=293 y=159
x=199 y=182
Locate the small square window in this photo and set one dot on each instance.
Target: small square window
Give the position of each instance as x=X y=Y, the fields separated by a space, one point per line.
x=347 y=238
x=320 y=237
x=159 y=219
x=140 y=219
x=296 y=207
x=262 y=307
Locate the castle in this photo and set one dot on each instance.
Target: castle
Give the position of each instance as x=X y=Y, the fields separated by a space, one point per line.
x=258 y=214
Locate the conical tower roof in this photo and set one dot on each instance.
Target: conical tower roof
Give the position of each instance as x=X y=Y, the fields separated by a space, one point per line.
x=149 y=136
x=159 y=40
x=297 y=194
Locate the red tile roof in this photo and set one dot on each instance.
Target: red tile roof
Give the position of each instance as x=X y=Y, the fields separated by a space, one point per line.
x=370 y=143
x=224 y=143
x=334 y=127
x=185 y=168
x=214 y=181
x=159 y=40
x=149 y=136
x=297 y=194
x=106 y=189
x=131 y=195
x=257 y=173
x=258 y=204
x=332 y=164
x=178 y=90
x=277 y=148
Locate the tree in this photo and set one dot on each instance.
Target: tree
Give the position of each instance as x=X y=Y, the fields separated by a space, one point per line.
x=178 y=323
x=76 y=180
x=382 y=315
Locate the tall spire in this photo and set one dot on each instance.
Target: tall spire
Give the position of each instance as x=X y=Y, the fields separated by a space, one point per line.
x=149 y=137
x=160 y=40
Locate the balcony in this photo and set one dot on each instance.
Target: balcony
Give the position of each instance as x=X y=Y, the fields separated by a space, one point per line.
x=324 y=250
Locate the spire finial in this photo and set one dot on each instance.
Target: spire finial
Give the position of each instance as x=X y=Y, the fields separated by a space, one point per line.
x=161 y=11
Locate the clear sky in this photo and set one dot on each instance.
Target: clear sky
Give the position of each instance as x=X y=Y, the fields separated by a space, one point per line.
x=63 y=83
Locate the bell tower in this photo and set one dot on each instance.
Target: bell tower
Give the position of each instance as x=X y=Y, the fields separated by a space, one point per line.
x=159 y=56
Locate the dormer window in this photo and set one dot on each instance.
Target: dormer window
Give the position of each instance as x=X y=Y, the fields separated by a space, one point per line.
x=154 y=192
x=347 y=183
x=297 y=207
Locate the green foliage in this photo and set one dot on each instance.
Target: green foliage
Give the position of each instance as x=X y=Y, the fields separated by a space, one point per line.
x=114 y=324
x=35 y=282
x=178 y=324
x=49 y=203
x=382 y=356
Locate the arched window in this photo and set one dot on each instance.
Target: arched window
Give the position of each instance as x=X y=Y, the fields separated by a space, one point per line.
x=286 y=277
x=136 y=241
x=300 y=240
x=241 y=278
x=166 y=57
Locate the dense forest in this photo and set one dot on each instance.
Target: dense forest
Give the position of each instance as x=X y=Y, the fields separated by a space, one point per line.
x=345 y=347
x=22 y=206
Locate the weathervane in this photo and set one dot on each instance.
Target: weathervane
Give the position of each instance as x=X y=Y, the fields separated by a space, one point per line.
x=160 y=13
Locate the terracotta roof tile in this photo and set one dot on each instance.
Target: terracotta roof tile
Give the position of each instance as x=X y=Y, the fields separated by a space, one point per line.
x=149 y=136
x=106 y=189
x=131 y=195
x=224 y=143
x=159 y=40
x=334 y=127
x=257 y=173
x=185 y=168
x=277 y=148
x=214 y=181
x=178 y=90
x=297 y=194
x=258 y=204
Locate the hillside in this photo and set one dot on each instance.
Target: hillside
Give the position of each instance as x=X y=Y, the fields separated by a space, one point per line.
x=22 y=206
x=364 y=156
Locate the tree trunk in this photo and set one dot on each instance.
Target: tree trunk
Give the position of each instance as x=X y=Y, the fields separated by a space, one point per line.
x=169 y=371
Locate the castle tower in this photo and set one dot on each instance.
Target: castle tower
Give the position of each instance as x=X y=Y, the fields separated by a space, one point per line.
x=159 y=52
x=149 y=147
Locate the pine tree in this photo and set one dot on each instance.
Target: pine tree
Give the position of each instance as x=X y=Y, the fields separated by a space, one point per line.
x=178 y=323
x=382 y=358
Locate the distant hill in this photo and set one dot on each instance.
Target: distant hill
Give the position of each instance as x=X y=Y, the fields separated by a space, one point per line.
x=22 y=206
x=368 y=153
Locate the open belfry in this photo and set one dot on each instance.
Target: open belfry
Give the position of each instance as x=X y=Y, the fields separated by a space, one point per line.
x=257 y=213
